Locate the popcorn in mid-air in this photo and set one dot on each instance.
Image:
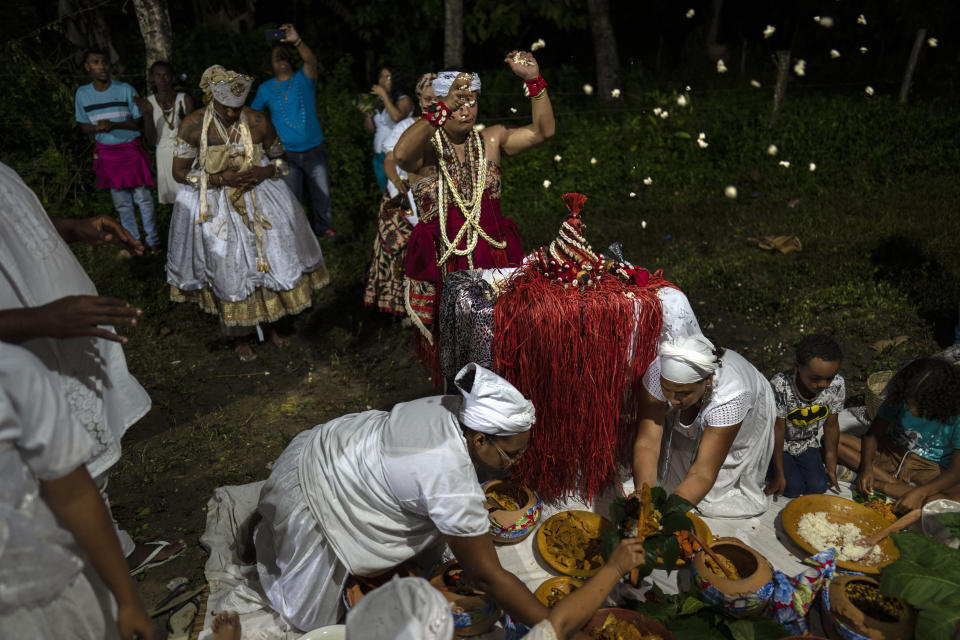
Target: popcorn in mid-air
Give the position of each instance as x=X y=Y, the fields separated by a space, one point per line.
x=863 y=49
x=861 y=19
x=648 y=181
x=682 y=100
x=539 y=44
x=869 y=91
x=546 y=184
x=769 y=31
x=587 y=89
x=800 y=68
x=730 y=192
x=691 y=13
x=721 y=67
x=834 y=54
x=557 y=158
x=593 y=161
x=755 y=84
x=615 y=93
x=785 y=164
x=813 y=166
x=772 y=150
x=932 y=42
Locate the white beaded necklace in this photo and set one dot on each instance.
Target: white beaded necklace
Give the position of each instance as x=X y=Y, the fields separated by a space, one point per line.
x=471 y=231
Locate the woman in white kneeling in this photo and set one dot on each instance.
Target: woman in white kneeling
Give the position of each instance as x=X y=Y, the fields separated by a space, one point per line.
x=367 y=491
x=706 y=432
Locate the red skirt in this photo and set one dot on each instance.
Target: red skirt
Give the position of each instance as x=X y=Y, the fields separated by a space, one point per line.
x=425 y=244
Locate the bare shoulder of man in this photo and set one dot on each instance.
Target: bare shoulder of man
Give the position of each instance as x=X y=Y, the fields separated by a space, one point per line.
x=190 y=128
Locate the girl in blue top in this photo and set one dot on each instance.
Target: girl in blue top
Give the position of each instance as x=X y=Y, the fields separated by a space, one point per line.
x=912 y=449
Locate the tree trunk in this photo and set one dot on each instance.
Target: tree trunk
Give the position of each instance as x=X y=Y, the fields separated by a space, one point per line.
x=154 y=19
x=782 y=59
x=715 y=50
x=911 y=65
x=604 y=47
x=453 y=34
x=85 y=27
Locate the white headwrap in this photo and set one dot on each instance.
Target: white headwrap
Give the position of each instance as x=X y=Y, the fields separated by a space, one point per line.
x=492 y=405
x=402 y=609
x=687 y=359
x=444 y=80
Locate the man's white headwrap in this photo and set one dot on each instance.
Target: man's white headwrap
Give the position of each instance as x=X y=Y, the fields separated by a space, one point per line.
x=444 y=80
x=229 y=88
x=492 y=405
x=402 y=609
x=688 y=359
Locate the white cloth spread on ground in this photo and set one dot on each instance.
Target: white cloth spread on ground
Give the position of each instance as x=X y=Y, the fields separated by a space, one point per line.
x=362 y=494
x=740 y=394
x=234 y=585
x=221 y=253
x=402 y=609
x=45 y=589
x=37 y=267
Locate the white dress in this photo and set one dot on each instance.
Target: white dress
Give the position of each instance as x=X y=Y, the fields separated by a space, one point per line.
x=37 y=267
x=46 y=591
x=740 y=394
x=388 y=145
x=221 y=255
x=362 y=494
x=383 y=127
x=167 y=125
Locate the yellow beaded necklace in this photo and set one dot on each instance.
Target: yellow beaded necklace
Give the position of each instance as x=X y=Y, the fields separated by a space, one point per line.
x=471 y=231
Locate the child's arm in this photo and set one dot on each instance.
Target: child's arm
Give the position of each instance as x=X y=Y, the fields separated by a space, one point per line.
x=575 y=610
x=868 y=449
x=831 y=442
x=779 y=481
x=916 y=497
x=75 y=502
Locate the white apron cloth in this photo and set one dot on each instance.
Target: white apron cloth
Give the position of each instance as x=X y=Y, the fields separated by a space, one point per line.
x=167 y=187
x=362 y=494
x=45 y=589
x=388 y=146
x=221 y=253
x=740 y=393
x=37 y=267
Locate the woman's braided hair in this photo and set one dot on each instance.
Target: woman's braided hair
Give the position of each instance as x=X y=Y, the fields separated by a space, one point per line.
x=932 y=384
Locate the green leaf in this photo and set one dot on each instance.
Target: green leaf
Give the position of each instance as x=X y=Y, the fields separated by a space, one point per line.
x=675 y=504
x=741 y=630
x=691 y=605
x=670 y=551
x=618 y=511
x=927 y=575
x=658 y=496
x=675 y=522
x=952 y=522
x=609 y=539
x=650 y=561
x=682 y=134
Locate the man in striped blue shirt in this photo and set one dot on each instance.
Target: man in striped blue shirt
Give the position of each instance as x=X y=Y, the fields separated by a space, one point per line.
x=106 y=110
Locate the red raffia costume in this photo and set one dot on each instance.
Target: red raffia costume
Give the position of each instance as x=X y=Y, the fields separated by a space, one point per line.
x=574 y=332
x=461 y=227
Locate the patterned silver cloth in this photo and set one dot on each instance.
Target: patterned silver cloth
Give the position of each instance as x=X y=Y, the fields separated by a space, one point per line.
x=466 y=323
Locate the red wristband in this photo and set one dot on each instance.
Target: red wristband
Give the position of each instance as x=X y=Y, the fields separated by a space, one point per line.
x=532 y=87
x=437 y=114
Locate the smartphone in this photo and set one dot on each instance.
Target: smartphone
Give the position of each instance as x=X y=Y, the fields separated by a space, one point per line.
x=275 y=34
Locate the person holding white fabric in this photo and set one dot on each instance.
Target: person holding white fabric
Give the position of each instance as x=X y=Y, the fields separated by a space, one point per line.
x=50 y=306
x=367 y=491
x=707 y=419
x=62 y=573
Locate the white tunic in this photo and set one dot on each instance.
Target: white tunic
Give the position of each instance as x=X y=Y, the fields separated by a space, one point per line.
x=384 y=125
x=37 y=267
x=168 y=126
x=388 y=146
x=362 y=494
x=44 y=590
x=740 y=394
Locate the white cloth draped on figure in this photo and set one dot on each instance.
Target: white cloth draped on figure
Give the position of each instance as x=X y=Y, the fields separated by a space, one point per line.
x=37 y=267
x=45 y=589
x=221 y=253
x=740 y=393
x=362 y=494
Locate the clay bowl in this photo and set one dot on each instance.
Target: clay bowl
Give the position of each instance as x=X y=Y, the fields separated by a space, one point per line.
x=842 y=619
x=746 y=596
x=472 y=614
x=701 y=529
x=509 y=526
x=839 y=510
x=563 y=584
x=356 y=587
x=556 y=563
x=645 y=624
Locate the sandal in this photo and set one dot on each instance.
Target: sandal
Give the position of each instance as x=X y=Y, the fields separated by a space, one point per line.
x=150 y=561
x=180 y=622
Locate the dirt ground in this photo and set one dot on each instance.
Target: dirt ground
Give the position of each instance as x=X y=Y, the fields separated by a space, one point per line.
x=218 y=422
